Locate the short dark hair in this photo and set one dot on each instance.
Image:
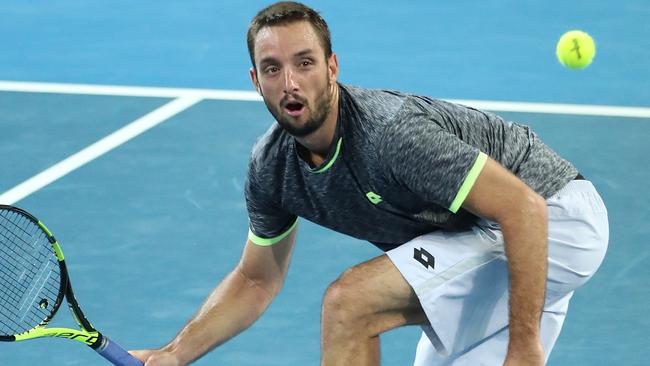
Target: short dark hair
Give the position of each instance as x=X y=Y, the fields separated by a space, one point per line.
x=287 y=12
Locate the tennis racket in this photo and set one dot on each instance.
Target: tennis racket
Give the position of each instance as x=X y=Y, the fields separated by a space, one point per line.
x=33 y=282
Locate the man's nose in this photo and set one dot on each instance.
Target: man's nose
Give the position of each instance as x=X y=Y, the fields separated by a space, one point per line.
x=290 y=81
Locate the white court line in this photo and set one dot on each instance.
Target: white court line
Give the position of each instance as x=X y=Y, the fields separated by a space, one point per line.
x=127 y=91
x=240 y=95
x=97 y=149
x=185 y=98
x=574 y=109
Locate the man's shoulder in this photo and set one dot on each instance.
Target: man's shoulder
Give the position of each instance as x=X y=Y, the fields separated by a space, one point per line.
x=392 y=106
x=373 y=103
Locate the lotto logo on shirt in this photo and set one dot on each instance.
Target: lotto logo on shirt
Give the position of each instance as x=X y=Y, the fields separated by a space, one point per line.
x=374 y=198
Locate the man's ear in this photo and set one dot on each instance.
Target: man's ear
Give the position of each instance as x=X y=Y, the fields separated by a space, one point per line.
x=254 y=80
x=333 y=68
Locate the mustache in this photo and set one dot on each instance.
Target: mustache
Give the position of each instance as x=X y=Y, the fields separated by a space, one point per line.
x=297 y=98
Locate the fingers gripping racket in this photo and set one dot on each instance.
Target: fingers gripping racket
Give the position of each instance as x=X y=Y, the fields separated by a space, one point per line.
x=33 y=282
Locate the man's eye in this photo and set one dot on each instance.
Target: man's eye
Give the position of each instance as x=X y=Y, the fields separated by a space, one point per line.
x=271 y=69
x=306 y=63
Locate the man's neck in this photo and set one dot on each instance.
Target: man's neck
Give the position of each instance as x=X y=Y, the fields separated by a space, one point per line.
x=317 y=144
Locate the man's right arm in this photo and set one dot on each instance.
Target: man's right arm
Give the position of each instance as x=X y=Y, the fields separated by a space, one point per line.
x=236 y=303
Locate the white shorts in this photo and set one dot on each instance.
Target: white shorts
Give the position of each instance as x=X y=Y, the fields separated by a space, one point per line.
x=461 y=279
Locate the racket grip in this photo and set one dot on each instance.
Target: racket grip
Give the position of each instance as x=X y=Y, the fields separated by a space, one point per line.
x=116 y=354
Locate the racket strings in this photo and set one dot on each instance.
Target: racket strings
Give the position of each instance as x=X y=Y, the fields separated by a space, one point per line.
x=29 y=274
x=11 y=265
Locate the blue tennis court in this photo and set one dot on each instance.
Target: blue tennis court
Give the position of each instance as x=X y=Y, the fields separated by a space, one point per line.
x=160 y=216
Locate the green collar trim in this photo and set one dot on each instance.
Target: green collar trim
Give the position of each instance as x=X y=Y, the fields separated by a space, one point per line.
x=332 y=160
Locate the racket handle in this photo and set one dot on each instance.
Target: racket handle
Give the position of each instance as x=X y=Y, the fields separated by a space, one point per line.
x=116 y=354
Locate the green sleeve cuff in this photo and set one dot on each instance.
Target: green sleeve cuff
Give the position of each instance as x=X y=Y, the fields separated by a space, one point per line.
x=469 y=182
x=265 y=242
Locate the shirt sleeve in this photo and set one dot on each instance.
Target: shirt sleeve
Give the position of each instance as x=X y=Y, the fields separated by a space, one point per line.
x=430 y=161
x=268 y=222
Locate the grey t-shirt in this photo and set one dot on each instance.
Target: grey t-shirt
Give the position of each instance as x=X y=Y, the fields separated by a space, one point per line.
x=399 y=166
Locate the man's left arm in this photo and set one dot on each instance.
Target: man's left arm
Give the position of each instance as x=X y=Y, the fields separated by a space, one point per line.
x=522 y=214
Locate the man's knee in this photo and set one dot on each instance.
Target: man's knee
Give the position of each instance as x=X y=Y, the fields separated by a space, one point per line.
x=344 y=301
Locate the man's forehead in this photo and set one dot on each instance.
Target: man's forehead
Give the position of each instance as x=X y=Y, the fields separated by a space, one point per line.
x=296 y=34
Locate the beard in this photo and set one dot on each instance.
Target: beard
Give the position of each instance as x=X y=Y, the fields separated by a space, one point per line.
x=318 y=114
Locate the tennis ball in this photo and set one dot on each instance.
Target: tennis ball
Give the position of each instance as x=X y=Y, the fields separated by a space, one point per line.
x=575 y=49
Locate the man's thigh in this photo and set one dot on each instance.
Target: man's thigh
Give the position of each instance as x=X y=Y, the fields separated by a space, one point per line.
x=372 y=296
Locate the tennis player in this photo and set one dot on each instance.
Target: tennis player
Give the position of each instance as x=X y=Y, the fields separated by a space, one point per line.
x=487 y=232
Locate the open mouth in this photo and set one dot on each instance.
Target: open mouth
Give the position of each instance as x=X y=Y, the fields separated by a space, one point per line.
x=294 y=109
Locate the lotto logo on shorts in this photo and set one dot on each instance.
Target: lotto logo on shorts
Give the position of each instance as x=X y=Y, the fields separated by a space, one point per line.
x=425 y=258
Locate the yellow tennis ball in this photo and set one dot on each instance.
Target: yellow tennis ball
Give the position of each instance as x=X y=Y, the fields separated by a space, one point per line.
x=575 y=49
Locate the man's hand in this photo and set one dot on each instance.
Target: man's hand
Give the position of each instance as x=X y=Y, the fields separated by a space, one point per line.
x=156 y=357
